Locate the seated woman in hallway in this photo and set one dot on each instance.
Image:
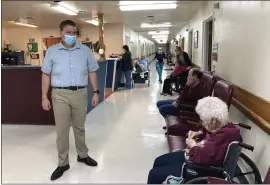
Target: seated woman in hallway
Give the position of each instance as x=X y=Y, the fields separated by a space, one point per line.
x=211 y=150
x=178 y=70
x=182 y=55
x=192 y=92
x=139 y=68
x=144 y=62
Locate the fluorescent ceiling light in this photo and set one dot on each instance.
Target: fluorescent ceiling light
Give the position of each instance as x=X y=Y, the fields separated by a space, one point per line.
x=158 y=32
x=62 y=7
x=148 y=7
x=161 y=41
x=93 y=21
x=159 y=36
x=24 y=24
x=161 y=25
x=121 y=3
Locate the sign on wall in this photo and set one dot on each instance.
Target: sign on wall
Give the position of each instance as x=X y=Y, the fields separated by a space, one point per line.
x=215 y=52
x=196 y=38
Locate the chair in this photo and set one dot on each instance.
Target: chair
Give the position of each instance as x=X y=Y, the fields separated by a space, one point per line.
x=209 y=80
x=226 y=171
x=224 y=91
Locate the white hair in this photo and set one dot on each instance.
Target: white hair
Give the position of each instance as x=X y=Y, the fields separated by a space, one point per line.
x=210 y=108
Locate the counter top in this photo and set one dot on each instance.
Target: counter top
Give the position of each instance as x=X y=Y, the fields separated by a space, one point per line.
x=21 y=67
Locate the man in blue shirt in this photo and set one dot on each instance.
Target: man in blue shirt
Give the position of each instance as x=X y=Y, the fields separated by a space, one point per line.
x=160 y=56
x=66 y=68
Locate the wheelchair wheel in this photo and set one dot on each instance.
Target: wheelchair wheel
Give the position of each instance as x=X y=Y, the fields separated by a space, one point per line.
x=199 y=180
x=252 y=169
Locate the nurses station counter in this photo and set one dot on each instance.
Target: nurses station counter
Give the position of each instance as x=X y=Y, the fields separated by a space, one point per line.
x=21 y=95
x=113 y=77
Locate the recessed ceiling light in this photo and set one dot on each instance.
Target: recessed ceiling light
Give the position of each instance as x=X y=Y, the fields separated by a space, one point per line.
x=64 y=8
x=93 y=21
x=158 y=32
x=23 y=24
x=159 y=36
x=122 y=3
x=148 y=7
x=160 y=25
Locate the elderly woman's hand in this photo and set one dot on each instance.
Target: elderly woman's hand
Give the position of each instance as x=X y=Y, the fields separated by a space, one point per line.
x=194 y=135
x=190 y=143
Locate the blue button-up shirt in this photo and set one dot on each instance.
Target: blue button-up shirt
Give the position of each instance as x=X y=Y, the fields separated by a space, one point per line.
x=69 y=67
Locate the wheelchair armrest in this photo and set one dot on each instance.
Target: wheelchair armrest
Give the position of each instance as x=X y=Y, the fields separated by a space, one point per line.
x=195 y=166
x=187 y=105
x=191 y=115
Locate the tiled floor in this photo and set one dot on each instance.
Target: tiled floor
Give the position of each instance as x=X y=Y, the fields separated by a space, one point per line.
x=124 y=134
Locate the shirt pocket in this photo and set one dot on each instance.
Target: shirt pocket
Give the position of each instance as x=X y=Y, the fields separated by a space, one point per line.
x=58 y=65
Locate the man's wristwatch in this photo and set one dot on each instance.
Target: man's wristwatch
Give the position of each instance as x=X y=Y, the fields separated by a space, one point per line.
x=96 y=92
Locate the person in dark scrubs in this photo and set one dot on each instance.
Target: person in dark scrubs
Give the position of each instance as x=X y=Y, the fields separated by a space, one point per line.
x=160 y=56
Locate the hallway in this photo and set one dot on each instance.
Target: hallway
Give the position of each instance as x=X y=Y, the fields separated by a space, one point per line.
x=124 y=134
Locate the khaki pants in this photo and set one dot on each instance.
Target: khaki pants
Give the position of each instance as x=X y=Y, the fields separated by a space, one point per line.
x=70 y=108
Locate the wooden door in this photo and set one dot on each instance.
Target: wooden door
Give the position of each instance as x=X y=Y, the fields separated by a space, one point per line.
x=183 y=44
x=52 y=41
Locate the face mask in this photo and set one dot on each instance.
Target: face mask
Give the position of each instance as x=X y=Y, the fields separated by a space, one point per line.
x=70 y=40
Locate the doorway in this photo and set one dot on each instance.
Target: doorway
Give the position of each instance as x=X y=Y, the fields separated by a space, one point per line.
x=183 y=44
x=208 y=43
x=48 y=42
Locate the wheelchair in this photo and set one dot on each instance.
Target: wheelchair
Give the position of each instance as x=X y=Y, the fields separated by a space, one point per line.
x=180 y=81
x=229 y=170
x=141 y=78
x=174 y=84
x=213 y=180
x=193 y=173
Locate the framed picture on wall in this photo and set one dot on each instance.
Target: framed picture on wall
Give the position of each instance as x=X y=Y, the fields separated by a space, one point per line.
x=196 y=36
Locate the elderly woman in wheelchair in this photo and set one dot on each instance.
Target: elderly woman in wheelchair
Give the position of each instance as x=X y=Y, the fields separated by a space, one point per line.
x=205 y=148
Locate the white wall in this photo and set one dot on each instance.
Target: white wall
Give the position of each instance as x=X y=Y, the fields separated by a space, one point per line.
x=4 y=35
x=19 y=37
x=241 y=29
x=196 y=24
x=138 y=44
x=113 y=38
x=255 y=137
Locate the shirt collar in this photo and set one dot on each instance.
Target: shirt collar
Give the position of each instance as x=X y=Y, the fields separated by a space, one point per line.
x=61 y=46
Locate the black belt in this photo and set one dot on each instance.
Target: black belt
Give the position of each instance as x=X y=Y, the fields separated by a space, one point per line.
x=72 y=88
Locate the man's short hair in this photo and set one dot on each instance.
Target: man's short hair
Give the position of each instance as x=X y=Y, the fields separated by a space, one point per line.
x=66 y=23
x=197 y=73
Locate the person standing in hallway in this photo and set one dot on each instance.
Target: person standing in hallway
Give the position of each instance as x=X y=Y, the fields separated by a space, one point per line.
x=126 y=65
x=160 y=56
x=66 y=68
